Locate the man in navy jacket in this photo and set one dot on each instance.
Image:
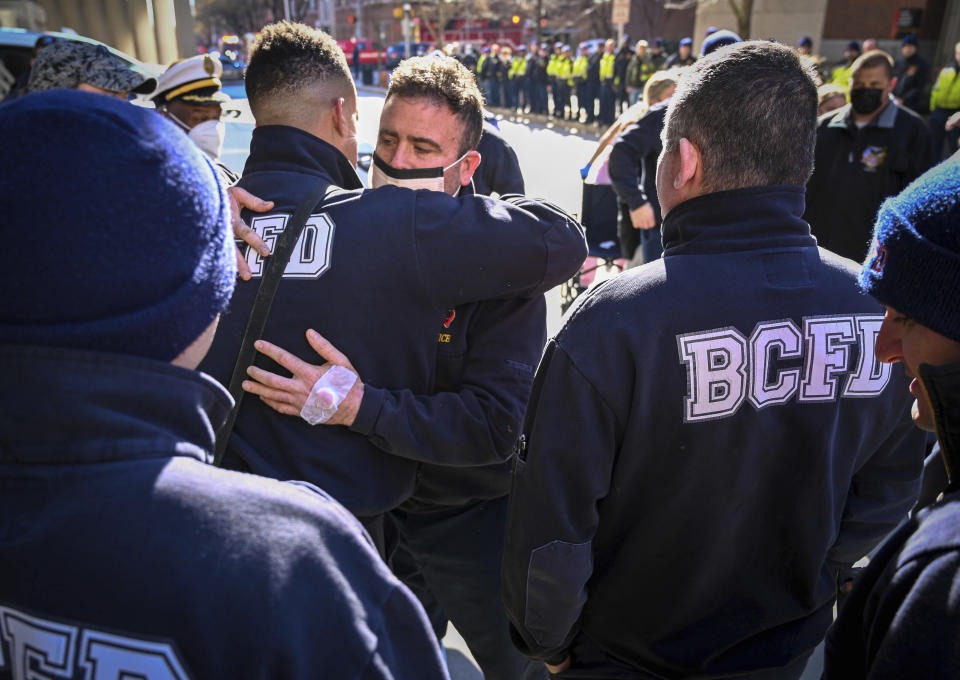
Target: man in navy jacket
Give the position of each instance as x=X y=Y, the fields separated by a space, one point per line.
x=463 y=431
x=123 y=553
x=376 y=273
x=710 y=437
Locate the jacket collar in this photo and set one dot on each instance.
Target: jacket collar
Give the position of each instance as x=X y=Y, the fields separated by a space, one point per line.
x=741 y=219
x=942 y=385
x=65 y=406
x=281 y=147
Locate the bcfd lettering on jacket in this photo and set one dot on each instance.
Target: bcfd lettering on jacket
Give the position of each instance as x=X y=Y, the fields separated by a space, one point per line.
x=725 y=368
x=311 y=256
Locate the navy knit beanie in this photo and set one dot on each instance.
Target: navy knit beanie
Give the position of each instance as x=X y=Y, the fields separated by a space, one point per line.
x=116 y=228
x=914 y=262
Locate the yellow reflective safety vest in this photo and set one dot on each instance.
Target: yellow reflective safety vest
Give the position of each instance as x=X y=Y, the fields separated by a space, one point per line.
x=606 y=65
x=841 y=76
x=946 y=91
x=564 y=69
x=580 y=65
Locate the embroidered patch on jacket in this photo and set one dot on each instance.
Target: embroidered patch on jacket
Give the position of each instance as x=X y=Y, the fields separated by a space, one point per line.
x=873 y=157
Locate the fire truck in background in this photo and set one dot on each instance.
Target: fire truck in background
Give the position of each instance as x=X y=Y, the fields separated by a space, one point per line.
x=371 y=53
x=512 y=31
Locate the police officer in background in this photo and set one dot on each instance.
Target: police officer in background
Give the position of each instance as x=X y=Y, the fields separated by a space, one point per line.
x=189 y=94
x=538 y=78
x=608 y=93
x=944 y=103
x=684 y=55
x=842 y=72
x=563 y=83
x=581 y=66
x=645 y=466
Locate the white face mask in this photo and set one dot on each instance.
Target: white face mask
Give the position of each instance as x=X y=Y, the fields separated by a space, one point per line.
x=208 y=135
x=430 y=179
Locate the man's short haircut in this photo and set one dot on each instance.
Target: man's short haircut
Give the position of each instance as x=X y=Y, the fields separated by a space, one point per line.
x=445 y=82
x=751 y=110
x=289 y=58
x=872 y=59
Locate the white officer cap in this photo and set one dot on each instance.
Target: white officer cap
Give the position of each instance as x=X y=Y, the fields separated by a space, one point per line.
x=195 y=80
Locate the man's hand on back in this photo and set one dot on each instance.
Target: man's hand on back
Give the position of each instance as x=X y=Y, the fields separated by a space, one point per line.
x=288 y=395
x=240 y=199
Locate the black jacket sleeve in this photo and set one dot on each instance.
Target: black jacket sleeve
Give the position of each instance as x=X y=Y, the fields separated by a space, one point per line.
x=881 y=493
x=499 y=171
x=477 y=248
x=479 y=423
x=559 y=479
x=626 y=165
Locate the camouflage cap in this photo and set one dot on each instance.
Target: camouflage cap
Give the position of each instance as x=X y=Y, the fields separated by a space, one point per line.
x=68 y=63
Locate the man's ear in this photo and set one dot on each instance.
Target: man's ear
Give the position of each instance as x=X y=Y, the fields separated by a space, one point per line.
x=691 y=165
x=468 y=166
x=339 y=117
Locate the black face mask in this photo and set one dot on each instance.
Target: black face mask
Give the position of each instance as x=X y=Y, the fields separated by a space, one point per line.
x=866 y=100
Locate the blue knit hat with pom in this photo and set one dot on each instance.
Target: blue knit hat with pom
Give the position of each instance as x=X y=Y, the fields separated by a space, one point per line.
x=116 y=226
x=914 y=260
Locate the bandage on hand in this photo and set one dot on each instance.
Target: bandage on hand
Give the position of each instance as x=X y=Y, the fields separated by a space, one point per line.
x=327 y=394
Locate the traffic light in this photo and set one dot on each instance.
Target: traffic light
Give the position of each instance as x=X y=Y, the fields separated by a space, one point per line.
x=515 y=19
x=351 y=19
x=543 y=21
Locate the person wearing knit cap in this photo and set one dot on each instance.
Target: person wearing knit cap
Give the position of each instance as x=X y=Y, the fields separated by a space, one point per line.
x=805 y=46
x=189 y=94
x=683 y=56
x=902 y=619
x=913 y=75
x=122 y=548
x=87 y=66
x=718 y=39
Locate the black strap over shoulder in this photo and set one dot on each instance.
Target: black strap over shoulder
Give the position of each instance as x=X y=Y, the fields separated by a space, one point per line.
x=273 y=272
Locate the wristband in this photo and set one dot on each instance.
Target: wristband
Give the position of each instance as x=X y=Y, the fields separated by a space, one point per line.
x=327 y=394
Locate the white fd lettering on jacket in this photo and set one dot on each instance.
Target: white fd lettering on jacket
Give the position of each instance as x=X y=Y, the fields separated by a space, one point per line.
x=57 y=650
x=726 y=368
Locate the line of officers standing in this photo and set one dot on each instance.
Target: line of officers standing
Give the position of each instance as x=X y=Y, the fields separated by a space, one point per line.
x=594 y=86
